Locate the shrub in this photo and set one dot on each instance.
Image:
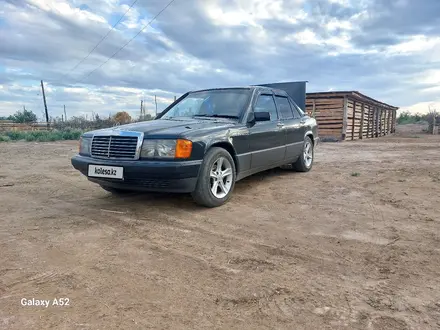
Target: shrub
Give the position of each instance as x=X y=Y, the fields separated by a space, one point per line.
x=4 y=138
x=25 y=116
x=122 y=117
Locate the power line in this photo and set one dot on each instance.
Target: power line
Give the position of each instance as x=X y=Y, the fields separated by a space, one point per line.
x=126 y=44
x=102 y=39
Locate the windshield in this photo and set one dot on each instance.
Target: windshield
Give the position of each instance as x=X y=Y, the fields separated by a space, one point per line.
x=226 y=103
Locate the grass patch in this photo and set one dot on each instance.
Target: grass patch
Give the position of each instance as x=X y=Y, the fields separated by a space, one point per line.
x=4 y=138
x=41 y=136
x=355 y=174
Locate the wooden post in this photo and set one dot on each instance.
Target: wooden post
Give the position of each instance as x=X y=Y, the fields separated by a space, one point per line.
x=380 y=122
x=45 y=104
x=376 y=122
x=361 y=133
x=345 y=119
x=388 y=121
x=395 y=119
x=368 y=121
x=354 y=118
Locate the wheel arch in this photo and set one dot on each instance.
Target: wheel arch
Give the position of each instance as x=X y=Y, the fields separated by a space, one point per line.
x=229 y=148
x=310 y=135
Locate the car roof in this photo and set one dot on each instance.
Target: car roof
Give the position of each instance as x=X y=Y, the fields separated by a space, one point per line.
x=250 y=87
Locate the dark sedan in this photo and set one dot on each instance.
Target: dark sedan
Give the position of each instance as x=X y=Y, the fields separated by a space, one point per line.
x=202 y=144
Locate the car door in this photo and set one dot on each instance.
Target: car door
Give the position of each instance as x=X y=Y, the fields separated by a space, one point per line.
x=292 y=126
x=266 y=138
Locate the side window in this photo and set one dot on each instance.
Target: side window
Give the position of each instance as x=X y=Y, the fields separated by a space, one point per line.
x=265 y=103
x=297 y=112
x=284 y=107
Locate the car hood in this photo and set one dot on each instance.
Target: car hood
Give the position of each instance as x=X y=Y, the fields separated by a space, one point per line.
x=170 y=127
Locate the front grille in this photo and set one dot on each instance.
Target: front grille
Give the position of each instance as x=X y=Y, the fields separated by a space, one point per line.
x=117 y=147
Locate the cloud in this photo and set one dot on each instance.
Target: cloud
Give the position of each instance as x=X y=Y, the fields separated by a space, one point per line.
x=385 y=49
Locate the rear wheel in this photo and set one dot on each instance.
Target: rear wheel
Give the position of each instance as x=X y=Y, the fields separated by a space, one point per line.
x=305 y=160
x=216 y=179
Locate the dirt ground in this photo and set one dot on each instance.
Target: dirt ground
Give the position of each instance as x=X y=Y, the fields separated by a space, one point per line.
x=353 y=244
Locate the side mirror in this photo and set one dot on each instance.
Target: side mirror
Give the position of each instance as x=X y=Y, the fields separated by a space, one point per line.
x=262 y=116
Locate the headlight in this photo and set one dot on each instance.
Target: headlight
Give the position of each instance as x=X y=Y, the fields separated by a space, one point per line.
x=84 y=145
x=166 y=149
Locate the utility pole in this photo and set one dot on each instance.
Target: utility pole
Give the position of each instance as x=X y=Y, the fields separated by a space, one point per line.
x=155 y=102
x=65 y=114
x=45 y=104
x=142 y=108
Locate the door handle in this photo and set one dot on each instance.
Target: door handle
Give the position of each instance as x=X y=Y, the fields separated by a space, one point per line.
x=303 y=121
x=280 y=125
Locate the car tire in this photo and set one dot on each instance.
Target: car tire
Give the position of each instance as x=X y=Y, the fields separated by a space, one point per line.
x=215 y=185
x=305 y=160
x=115 y=191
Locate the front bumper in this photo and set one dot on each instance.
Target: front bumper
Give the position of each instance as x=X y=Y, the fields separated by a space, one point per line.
x=158 y=176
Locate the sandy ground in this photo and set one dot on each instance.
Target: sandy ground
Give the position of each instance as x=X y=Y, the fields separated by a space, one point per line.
x=353 y=244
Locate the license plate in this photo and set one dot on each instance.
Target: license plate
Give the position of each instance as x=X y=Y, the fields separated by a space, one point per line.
x=112 y=172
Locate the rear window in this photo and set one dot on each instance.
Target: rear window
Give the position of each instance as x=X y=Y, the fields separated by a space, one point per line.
x=284 y=107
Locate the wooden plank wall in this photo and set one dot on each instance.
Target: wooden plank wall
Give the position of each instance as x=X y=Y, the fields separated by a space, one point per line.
x=368 y=121
x=329 y=113
x=363 y=120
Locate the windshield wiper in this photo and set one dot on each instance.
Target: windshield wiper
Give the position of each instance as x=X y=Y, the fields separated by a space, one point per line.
x=216 y=116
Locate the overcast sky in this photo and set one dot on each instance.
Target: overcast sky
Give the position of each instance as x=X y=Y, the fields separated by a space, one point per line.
x=387 y=49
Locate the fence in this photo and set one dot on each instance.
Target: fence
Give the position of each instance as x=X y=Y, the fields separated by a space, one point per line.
x=11 y=126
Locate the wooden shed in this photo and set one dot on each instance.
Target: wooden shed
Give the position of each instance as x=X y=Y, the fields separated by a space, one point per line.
x=350 y=115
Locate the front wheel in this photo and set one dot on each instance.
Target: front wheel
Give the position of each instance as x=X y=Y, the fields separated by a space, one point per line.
x=216 y=179
x=305 y=160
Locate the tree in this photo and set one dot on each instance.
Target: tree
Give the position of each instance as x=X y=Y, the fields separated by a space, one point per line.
x=25 y=116
x=122 y=117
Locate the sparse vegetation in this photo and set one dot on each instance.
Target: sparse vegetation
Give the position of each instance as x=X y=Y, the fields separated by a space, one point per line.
x=70 y=129
x=85 y=123
x=409 y=118
x=25 y=116
x=40 y=136
x=355 y=174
